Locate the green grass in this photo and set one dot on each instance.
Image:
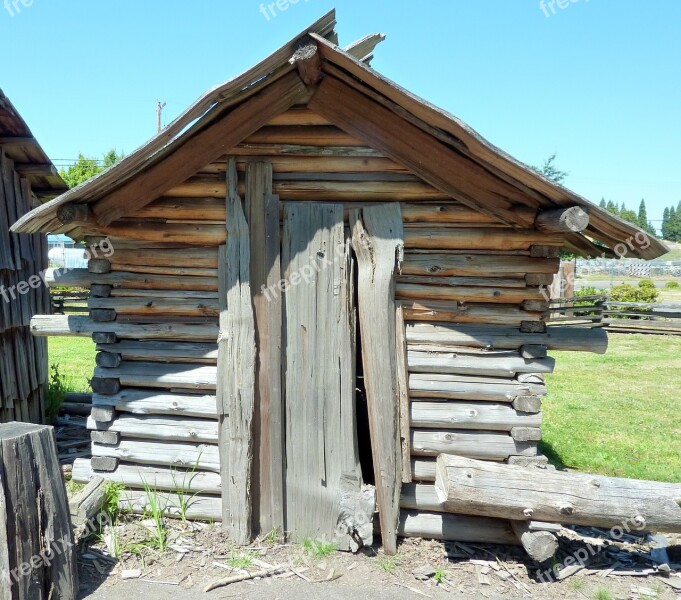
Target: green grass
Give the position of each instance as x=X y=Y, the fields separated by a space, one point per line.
x=318 y=548
x=617 y=414
x=603 y=594
x=76 y=359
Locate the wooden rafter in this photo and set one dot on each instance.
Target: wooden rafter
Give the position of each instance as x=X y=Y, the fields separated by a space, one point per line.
x=206 y=146
x=445 y=170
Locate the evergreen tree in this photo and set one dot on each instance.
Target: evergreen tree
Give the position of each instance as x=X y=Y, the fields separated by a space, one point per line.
x=602 y=203
x=665 y=224
x=612 y=207
x=643 y=219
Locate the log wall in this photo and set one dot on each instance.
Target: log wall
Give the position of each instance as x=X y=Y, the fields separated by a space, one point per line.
x=469 y=291
x=23 y=358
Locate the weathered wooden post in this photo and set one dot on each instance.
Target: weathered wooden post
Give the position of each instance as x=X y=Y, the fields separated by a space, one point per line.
x=37 y=555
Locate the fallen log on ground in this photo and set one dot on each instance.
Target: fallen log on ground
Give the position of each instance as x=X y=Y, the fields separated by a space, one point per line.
x=510 y=492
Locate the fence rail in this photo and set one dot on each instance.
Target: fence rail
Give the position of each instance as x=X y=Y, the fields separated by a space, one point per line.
x=73 y=303
x=618 y=317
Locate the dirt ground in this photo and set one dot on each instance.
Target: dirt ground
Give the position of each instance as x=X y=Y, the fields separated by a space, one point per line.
x=199 y=554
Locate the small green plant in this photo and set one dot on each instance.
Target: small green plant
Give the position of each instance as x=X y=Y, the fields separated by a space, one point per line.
x=183 y=488
x=273 y=538
x=672 y=285
x=72 y=488
x=155 y=511
x=440 y=576
x=240 y=560
x=111 y=504
x=602 y=594
x=388 y=563
x=578 y=585
x=56 y=392
x=318 y=548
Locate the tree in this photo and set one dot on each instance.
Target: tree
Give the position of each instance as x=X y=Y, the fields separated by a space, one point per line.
x=643 y=219
x=86 y=168
x=665 y=224
x=602 y=203
x=550 y=171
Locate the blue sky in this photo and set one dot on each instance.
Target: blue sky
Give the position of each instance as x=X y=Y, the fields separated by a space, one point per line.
x=598 y=82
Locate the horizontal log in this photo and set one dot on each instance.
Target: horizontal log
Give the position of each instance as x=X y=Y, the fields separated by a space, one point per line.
x=455 y=528
x=485 y=446
x=422 y=497
x=169 y=429
x=191 y=506
x=171 y=352
x=466 y=294
x=154 y=375
x=120 y=279
x=199 y=258
x=470 y=415
x=446 y=311
x=72 y=325
x=169 y=271
x=476 y=265
x=191 y=307
x=462 y=387
x=446 y=238
x=203 y=457
x=576 y=339
x=491 y=364
x=156 y=294
x=422 y=469
x=508 y=491
x=148 y=402
x=488 y=282
x=288 y=191
x=157 y=478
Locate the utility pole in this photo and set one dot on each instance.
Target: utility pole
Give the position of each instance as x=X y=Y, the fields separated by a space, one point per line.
x=159 y=112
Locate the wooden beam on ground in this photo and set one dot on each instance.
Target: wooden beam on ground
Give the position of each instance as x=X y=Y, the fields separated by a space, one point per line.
x=445 y=169
x=262 y=213
x=507 y=491
x=566 y=220
x=236 y=372
x=204 y=147
x=377 y=237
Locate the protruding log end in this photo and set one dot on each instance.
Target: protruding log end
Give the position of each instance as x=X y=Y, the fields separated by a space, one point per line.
x=75 y=214
x=309 y=63
x=566 y=220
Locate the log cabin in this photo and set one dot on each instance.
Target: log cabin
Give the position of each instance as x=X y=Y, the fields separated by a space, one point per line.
x=27 y=177
x=318 y=283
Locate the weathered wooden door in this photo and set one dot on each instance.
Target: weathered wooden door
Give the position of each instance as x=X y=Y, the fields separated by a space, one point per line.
x=325 y=497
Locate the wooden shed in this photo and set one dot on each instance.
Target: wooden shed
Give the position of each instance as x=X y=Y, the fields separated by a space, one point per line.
x=26 y=178
x=310 y=285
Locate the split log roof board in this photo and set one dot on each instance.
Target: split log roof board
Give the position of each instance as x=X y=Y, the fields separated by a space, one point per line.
x=30 y=160
x=506 y=182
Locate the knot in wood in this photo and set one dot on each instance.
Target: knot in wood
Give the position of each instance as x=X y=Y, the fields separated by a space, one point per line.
x=596 y=483
x=528 y=512
x=566 y=509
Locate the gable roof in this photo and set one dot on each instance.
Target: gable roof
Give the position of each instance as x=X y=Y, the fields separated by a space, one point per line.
x=502 y=172
x=30 y=161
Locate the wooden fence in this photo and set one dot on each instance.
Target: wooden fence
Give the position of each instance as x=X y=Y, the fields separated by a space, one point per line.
x=618 y=317
x=69 y=303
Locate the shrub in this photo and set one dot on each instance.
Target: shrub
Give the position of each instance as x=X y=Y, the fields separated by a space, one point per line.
x=629 y=293
x=672 y=285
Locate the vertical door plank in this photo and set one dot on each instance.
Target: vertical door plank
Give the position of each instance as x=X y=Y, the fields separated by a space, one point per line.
x=324 y=490
x=377 y=238
x=236 y=369
x=262 y=210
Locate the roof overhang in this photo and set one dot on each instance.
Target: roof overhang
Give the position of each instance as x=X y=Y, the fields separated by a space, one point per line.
x=606 y=235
